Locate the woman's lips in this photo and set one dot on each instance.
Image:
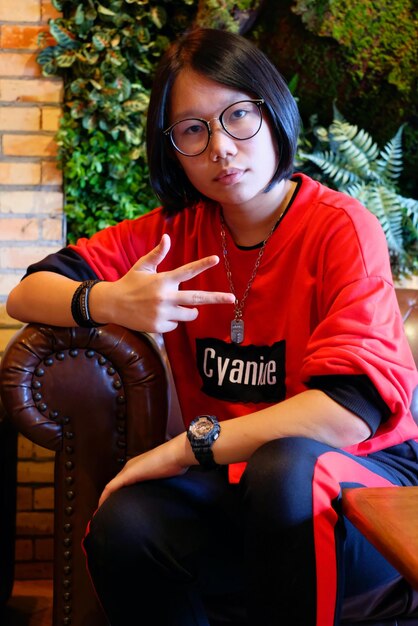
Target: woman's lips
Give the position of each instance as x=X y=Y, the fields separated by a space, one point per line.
x=229 y=176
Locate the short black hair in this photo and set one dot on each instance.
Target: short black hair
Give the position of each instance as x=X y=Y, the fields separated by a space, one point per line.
x=229 y=60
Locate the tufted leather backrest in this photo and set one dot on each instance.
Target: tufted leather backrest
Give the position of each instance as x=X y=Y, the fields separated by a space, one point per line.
x=97 y=397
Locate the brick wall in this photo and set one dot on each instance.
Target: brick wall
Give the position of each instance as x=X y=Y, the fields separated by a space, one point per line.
x=31 y=226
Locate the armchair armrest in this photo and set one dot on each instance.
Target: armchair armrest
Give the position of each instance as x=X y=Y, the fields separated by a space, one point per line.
x=8 y=463
x=97 y=397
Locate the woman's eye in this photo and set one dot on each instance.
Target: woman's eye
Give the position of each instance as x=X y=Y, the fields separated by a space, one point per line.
x=193 y=129
x=238 y=114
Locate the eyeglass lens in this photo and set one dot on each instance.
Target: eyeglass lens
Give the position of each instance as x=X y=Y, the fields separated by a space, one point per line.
x=241 y=120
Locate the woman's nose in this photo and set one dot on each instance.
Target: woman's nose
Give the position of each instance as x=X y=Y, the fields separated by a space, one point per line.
x=221 y=145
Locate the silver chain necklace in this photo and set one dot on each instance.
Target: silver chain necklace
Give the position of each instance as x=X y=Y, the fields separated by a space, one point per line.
x=237 y=324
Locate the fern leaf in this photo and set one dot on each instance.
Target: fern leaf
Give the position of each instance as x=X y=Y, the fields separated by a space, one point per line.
x=337 y=115
x=357 y=189
x=389 y=162
x=356 y=147
x=385 y=204
x=411 y=210
x=333 y=166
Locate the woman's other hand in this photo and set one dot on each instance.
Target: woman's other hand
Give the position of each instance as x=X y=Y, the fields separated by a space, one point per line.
x=171 y=458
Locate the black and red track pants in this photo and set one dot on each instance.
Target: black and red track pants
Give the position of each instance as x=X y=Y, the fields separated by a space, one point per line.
x=274 y=550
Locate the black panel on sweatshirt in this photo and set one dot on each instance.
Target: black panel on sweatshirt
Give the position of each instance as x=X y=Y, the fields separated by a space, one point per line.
x=66 y=262
x=357 y=394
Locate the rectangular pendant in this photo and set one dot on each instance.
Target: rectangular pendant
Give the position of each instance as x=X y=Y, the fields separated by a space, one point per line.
x=237 y=331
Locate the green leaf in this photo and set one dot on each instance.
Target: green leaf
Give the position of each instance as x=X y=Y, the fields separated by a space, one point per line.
x=115 y=57
x=66 y=59
x=390 y=158
x=411 y=211
x=158 y=16
x=77 y=110
x=78 y=86
x=142 y=34
x=104 y=11
x=89 y=122
x=101 y=40
x=46 y=55
x=135 y=106
x=122 y=86
x=384 y=203
x=57 y=4
x=79 y=16
x=49 y=68
x=91 y=13
x=63 y=37
x=108 y=51
x=89 y=56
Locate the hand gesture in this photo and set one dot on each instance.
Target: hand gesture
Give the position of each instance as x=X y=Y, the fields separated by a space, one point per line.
x=148 y=301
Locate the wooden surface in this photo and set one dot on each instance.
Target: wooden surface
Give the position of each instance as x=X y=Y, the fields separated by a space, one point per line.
x=388 y=517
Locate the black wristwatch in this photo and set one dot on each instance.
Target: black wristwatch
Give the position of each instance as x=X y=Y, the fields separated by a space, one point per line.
x=202 y=433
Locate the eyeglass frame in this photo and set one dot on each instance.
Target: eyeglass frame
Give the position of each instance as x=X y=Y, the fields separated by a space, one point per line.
x=169 y=131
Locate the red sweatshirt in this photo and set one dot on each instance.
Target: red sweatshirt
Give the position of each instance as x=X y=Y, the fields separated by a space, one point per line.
x=322 y=303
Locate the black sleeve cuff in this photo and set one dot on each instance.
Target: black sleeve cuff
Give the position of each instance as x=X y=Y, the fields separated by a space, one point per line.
x=66 y=262
x=357 y=394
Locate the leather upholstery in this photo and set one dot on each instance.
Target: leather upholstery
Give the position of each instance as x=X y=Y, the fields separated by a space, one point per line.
x=8 y=463
x=97 y=397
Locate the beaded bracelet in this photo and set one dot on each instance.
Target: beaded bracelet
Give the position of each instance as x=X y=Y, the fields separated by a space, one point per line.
x=80 y=305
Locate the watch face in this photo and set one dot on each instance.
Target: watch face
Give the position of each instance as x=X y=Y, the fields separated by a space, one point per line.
x=202 y=427
x=202 y=432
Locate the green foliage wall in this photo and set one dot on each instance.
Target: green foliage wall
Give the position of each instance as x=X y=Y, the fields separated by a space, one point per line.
x=360 y=54
x=378 y=39
x=106 y=51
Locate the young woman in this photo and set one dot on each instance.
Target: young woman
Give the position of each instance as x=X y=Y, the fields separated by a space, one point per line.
x=283 y=332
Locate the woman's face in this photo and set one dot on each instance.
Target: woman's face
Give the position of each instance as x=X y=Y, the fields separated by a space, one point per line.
x=229 y=171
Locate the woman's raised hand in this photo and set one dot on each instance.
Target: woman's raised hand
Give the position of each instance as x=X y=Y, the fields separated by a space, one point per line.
x=152 y=302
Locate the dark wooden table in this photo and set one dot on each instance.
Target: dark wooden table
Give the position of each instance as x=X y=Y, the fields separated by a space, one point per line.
x=388 y=517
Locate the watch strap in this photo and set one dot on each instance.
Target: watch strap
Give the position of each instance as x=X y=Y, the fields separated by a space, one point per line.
x=205 y=458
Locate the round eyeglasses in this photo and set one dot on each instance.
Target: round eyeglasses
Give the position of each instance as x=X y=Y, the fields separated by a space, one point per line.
x=241 y=120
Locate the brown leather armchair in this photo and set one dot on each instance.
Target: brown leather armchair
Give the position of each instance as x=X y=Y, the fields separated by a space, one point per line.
x=8 y=464
x=97 y=397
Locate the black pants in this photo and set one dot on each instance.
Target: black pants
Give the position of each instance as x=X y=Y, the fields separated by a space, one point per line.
x=195 y=550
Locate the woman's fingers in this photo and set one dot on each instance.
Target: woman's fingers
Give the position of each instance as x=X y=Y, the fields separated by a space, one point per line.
x=149 y=262
x=152 y=301
x=190 y=270
x=197 y=298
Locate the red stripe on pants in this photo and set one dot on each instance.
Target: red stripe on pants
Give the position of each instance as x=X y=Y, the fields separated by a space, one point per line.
x=331 y=469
